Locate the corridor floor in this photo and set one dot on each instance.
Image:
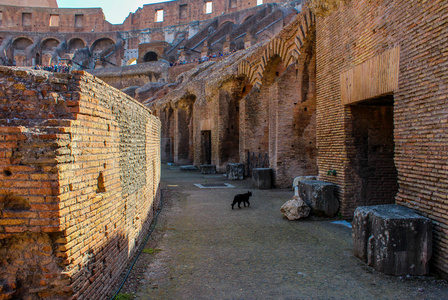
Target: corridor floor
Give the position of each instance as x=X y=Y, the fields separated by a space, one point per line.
x=205 y=250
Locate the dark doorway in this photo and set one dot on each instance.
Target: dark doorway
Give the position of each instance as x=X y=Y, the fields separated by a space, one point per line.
x=150 y=56
x=373 y=136
x=230 y=134
x=206 y=144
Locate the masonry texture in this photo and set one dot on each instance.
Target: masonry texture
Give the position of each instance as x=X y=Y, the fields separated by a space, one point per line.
x=387 y=142
x=39 y=33
x=80 y=171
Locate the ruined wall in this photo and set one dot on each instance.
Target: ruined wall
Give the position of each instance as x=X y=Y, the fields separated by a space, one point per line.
x=185 y=11
x=35 y=17
x=44 y=19
x=400 y=50
x=80 y=173
x=32 y=3
x=134 y=75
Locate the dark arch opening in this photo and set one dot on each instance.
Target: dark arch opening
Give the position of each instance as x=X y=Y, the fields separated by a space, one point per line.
x=150 y=56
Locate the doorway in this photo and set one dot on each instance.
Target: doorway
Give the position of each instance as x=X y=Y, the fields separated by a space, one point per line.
x=206 y=145
x=373 y=163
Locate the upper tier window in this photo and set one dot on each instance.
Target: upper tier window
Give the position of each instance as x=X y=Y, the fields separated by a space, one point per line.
x=159 y=15
x=208 y=7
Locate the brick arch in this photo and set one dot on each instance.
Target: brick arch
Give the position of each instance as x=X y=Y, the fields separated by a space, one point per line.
x=223 y=22
x=99 y=39
x=22 y=37
x=48 y=39
x=74 y=39
x=287 y=48
x=245 y=68
x=246 y=17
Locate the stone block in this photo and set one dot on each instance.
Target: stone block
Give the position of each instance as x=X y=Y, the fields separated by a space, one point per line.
x=295 y=183
x=208 y=169
x=295 y=209
x=188 y=168
x=392 y=239
x=319 y=195
x=235 y=171
x=262 y=178
x=300 y=178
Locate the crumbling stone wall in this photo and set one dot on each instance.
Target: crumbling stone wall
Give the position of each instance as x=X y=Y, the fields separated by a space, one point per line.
x=401 y=46
x=134 y=75
x=80 y=171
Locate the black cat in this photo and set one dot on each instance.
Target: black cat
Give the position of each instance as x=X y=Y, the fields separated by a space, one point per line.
x=244 y=198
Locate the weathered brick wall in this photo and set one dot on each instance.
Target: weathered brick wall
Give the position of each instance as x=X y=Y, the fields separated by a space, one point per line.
x=92 y=18
x=195 y=11
x=134 y=75
x=80 y=180
x=351 y=35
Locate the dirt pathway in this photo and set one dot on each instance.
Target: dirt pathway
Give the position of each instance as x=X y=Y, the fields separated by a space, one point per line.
x=206 y=250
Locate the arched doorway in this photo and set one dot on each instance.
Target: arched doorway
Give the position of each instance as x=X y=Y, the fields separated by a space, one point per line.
x=150 y=56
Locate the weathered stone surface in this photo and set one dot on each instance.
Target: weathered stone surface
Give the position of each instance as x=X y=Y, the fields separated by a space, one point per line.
x=188 y=168
x=319 y=195
x=235 y=171
x=295 y=209
x=208 y=169
x=300 y=178
x=392 y=239
x=295 y=183
x=262 y=178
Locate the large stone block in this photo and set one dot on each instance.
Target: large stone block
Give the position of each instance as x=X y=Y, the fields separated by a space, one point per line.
x=235 y=171
x=188 y=168
x=262 y=178
x=208 y=169
x=295 y=183
x=392 y=239
x=319 y=195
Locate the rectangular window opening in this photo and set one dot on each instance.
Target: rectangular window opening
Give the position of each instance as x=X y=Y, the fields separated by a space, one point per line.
x=26 y=19
x=208 y=7
x=259 y=2
x=159 y=15
x=183 y=11
x=54 y=20
x=79 y=19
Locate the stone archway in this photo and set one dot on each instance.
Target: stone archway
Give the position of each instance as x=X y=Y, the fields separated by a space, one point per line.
x=150 y=56
x=47 y=48
x=19 y=47
x=75 y=44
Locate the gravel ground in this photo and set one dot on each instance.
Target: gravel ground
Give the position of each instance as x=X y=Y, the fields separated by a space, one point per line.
x=202 y=249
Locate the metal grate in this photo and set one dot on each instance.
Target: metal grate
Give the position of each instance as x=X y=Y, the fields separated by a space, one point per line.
x=213 y=185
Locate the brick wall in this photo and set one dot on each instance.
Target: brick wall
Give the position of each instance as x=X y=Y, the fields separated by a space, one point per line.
x=80 y=173
x=353 y=34
x=88 y=19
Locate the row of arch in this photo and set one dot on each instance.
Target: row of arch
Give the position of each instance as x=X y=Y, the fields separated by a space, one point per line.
x=244 y=115
x=24 y=51
x=289 y=53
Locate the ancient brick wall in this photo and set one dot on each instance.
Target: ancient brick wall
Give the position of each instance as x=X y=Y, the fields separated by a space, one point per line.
x=361 y=33
x=37 y=19
x=134 y=75
x=183 y=11
x=80 y=173
x=32 y=3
